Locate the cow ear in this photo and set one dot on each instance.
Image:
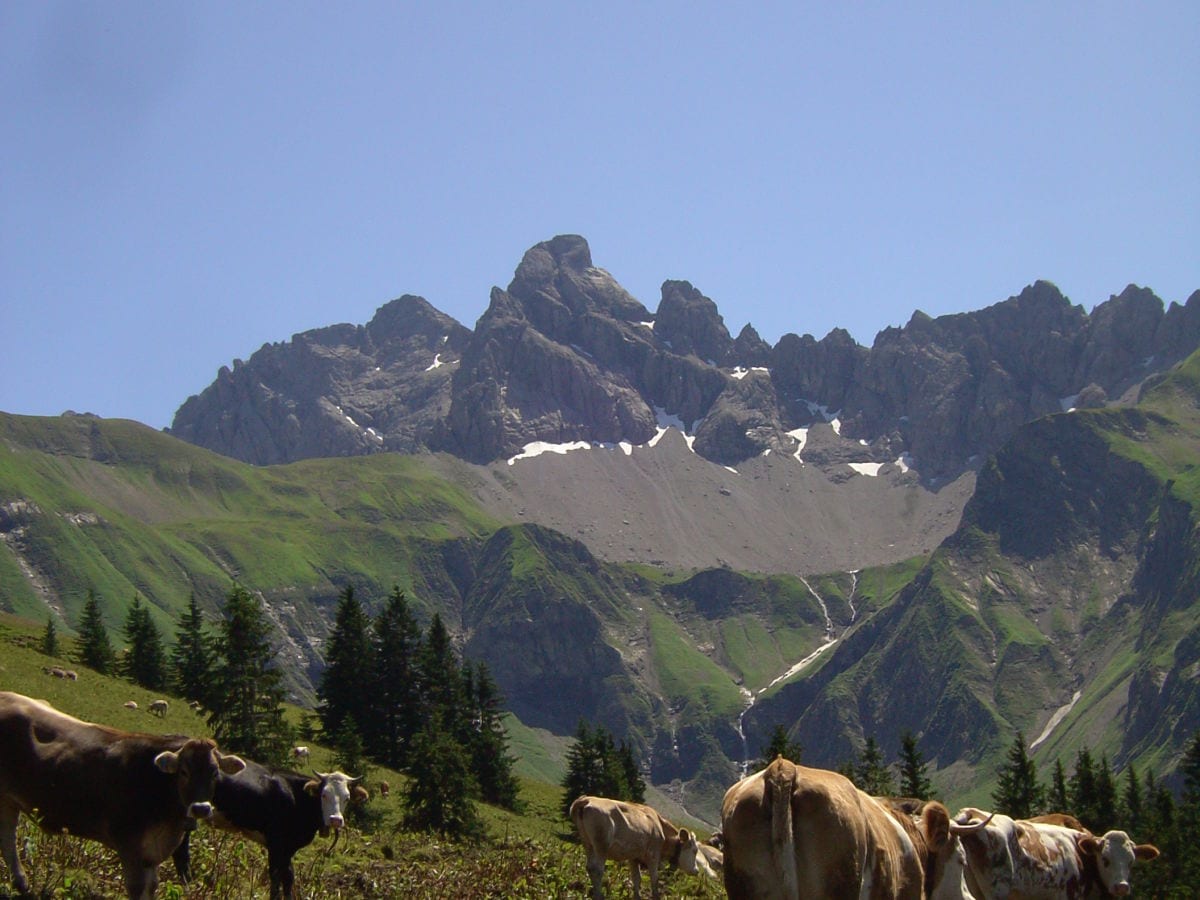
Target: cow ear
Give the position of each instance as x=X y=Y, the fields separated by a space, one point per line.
x=312 y=788
x=937 y=824
x=1088 y=844
x=1145 y=851
x=359 y=794
x=685 y=836
x=167 y=761
x=230 y=764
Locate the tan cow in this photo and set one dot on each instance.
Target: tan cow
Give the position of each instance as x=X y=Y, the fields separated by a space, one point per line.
x=135 y=793
x=1029 y=858
x=633 y=833
x=795 y=832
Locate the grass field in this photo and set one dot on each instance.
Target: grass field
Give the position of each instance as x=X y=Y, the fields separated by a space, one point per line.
x=524 y=856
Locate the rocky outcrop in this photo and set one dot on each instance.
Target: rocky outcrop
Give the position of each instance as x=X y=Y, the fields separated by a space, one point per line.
x=565 y=354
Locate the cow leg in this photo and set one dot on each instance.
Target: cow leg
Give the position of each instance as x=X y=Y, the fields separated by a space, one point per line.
x=283 y=876
x=595 y=868
x=8 y=845
x=182 y=857
x=635 y=876
x=141 y=880
x=652 y=871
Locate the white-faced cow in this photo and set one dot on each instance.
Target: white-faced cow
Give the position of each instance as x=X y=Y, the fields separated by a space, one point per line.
x=792 y=831
x=281 y=810
x=633 y=833
x=1036 y=859
x=134 y=793
x=300 y=754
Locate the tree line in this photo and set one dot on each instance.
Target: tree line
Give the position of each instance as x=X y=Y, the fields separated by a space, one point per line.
x=390 y=693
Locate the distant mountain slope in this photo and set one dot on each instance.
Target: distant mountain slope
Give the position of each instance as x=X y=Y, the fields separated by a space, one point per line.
x=565 y=354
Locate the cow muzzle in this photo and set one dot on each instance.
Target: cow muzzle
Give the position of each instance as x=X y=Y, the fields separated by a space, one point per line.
x=1121 y=889
x=336 y=822
x=200 y=811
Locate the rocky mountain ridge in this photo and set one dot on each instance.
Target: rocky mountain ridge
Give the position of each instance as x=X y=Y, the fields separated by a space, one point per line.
x=565 y=354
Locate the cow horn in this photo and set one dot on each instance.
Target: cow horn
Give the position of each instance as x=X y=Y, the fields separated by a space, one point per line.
x=969 y=827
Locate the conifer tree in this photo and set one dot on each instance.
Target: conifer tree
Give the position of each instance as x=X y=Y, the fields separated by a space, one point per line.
x=1057 y=800
x=192 y=656
x=871 y=774
x=348 y=666
x=1082 y=789
x=598 y=767
x=247 y=711
x=396 y=686
x=914 y=782
x=439 y=791
x=1018 y=793
x=50 y=638
x=1131 y=801
x=441 y=676
x=95 y=650
x=145 y=661
x=1104 y=810
x=491 y=762
x=1187 y=822
x=779 y=745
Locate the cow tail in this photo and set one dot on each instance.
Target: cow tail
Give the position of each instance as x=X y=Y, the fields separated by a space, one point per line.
x=577 y=808
x=780 y=779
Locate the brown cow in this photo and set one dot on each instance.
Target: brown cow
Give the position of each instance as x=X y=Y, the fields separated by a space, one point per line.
x=134 y=793
x=791 y=831
x=633 y=833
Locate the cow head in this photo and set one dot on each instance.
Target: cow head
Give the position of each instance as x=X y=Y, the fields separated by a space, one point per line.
x=194 y=767
x=336 y=791
x=1115 y=854
x=684 y=854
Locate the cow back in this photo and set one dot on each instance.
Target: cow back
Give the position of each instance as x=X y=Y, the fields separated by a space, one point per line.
x=90 y=780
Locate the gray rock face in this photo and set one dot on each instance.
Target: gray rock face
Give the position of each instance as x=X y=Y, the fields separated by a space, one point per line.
x=565 y=354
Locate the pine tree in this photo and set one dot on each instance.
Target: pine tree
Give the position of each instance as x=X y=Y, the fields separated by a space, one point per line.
x=914 y=782
x=779 y=745
x=145 y=661
x=95 y=651
x=1105 y=809
x=441 y=676
x=598 y=767
x=1057 y=799
x=396 y=685
x=348 y=666
x=50 y=638
x=192 y=656
x=491 y=762
x=247 y=711
x=439 y=791
x=1018 y=793
x=872 y=775
x=1082 y=789
x=1131 y=801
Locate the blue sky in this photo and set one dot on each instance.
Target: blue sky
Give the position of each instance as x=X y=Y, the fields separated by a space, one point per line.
x=181 y=183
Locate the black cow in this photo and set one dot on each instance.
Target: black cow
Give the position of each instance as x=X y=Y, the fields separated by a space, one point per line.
x=281 y=810
x=135 y=793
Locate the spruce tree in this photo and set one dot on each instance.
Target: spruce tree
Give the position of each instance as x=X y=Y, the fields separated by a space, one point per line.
x=1058 y=800
x=1018 y=793
x=1131 y=802
x=441 y=676
x=872 y=775
x=440 y=787
x=348 y=667
x=779 y=745
x=1082 y=789
x=914 y=782
x=395 y=684
x=1105 y=808
x=585 y=767
x=246 y=706
x=1186 y=834
x=95 y=650
x=50 y=638
x=633 y=786
x=192 y=656
x=491 y=762
x=145 y=661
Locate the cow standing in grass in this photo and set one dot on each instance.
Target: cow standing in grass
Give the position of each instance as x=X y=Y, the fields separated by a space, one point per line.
x=134 y=793
x=281 y=810
x=633 y=833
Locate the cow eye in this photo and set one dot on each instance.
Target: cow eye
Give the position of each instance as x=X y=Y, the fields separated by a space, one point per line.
x=1104 y=859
